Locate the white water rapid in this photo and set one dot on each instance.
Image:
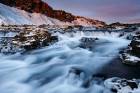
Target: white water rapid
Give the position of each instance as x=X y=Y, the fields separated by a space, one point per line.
x=61 y=68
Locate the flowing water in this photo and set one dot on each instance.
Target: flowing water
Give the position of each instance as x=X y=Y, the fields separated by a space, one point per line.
x=61 y=68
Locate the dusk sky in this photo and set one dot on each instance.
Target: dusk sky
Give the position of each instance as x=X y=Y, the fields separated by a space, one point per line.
x=105 y=10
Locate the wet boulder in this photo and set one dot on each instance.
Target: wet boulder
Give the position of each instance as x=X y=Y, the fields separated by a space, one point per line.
x=88 y=39
x=130 y=59
x=87 y=42
x=133 y=84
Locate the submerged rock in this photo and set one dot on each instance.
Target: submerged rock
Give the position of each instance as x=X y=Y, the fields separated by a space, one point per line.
x=87 y=42
x=82 y=79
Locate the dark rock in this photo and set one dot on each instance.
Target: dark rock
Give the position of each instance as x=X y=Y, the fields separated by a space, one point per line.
x=131 y=55
x=76 y=71
x=132 y=84
x=27 y=40
x=114 y=90
x=87 y=42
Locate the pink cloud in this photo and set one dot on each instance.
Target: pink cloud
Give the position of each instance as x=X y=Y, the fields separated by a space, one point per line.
x=137 y=20
x=117 y=10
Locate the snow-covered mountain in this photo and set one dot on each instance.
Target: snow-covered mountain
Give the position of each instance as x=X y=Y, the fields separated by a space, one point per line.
x=11 y=15
x=38 y=12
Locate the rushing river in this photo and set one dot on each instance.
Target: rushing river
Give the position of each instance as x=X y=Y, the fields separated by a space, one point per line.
x=61 y=68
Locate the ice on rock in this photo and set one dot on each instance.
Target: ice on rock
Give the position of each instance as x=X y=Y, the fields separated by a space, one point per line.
x=119 y=85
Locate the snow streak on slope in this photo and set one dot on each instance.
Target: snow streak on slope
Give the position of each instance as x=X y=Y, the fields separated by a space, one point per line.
x=9 y=15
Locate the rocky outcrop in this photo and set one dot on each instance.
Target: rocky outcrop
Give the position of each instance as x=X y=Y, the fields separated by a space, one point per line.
x=131 y=55
x=24 y=39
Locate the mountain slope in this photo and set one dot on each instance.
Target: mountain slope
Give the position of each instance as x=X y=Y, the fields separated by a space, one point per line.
x=10 y=15
x=38 y=6
x=39 y=12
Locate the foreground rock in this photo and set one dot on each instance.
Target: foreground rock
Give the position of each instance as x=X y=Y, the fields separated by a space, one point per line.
x=118 y=85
